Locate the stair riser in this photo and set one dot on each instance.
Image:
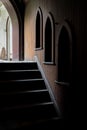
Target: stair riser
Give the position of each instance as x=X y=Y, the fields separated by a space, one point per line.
x=18 y=66
x=33 y=113
x=20 y=75
x=14 y=100
x=16 y=86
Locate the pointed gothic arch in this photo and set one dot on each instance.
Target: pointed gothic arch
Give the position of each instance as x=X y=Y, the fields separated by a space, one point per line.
x=49 y=40
x=15 y=28
x=64 y=61
x=8 y=39
x=39 y=29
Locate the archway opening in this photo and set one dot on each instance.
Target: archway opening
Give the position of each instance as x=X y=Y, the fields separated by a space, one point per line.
x=5 y=34
x=64 y=56
x=11 y=31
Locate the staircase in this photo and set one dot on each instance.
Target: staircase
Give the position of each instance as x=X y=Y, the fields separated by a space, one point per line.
x=25 y=102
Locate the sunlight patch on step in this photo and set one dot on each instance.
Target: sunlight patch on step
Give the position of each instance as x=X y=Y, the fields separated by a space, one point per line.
x=24 y=61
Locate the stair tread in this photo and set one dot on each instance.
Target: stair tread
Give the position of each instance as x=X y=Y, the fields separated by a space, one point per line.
x=17 y=65
x=18 y=62
x=29 y=113
x=54 y=122
x=22 y=85
x=19 y=75
x=8 y=71
x=26 y=106
x=21 y=80
x=37 y=122
x=23 y=98
x=24 y=92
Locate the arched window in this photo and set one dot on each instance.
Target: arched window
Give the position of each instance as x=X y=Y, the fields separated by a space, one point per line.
x=9 y=38
x=39 y=29
x=49 y=40
x=65 y=55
